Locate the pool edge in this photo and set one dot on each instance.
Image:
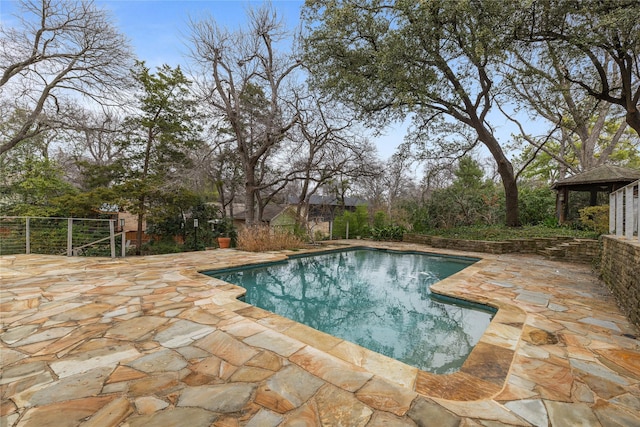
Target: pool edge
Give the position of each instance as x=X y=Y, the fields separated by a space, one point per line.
x=482 y=376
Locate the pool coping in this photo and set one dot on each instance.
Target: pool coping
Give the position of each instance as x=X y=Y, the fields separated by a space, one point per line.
x=483 y=374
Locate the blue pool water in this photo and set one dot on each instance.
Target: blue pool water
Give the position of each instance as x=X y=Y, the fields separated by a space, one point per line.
x=377 y=299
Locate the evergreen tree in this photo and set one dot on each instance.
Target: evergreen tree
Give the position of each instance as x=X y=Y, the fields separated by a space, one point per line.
x=159 y=136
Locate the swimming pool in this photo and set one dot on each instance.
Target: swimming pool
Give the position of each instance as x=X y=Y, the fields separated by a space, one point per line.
x=375 y=298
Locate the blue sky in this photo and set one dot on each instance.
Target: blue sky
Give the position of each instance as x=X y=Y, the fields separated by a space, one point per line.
x=158 y=29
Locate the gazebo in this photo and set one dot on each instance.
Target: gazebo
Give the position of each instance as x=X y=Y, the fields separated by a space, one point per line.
x=602 y=179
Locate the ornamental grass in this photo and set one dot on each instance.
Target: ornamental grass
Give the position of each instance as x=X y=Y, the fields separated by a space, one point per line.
x=262 y=238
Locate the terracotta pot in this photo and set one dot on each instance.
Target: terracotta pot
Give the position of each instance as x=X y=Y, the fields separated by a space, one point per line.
x=224 y=242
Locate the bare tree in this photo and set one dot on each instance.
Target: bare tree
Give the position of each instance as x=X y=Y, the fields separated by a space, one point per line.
x=59 y=49
x=224 y=170
x=326 y=144
x=245 y=79
x=100 y=133
x=398 y=181
x=92 y=151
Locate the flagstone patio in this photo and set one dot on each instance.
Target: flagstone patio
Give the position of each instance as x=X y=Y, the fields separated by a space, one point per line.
x=149 y=341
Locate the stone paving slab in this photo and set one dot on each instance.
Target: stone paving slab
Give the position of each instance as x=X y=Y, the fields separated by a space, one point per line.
x=149 y=341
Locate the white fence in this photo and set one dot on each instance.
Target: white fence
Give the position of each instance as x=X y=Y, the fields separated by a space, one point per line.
x=60 y=236
x=624 y=213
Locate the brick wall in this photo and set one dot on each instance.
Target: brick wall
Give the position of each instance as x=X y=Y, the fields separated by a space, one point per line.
x=620 y=268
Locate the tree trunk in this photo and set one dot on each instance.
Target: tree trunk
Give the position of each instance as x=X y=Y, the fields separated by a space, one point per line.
x=633 y=120
x=249 y=195
x=303 y=198
x=511 y=198
x=505 y=169
x=221 y=197
x=145 y=173
x=249 y=205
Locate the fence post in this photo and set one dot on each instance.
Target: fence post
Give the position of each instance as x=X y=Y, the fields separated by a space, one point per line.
x=69 y=236
x=629 y=212
x=347 y=231
x=27 y=237
x=612 y=213
x=112 y=237
x=619 y=213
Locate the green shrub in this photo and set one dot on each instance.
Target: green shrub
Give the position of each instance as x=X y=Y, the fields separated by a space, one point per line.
x=470 y=200
x=380 y=219
x=595 y=218
x=161 y=247
x=550 y=222
x=340 y=225
x=536 y=205
x=319 y=235
x=358 y=223
x=388 y=233
x=419 y=218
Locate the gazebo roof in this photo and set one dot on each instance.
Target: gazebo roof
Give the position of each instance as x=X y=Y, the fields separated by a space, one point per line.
x=605 y=174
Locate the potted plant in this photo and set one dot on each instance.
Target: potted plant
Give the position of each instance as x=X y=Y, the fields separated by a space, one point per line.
x=225 y=232
x=224 y=242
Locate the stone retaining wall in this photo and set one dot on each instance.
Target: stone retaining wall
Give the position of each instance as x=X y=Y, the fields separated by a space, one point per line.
x=620 y=268
x=555 y=248
x=492 y=247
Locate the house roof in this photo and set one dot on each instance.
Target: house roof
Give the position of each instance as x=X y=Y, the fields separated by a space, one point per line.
x=269 y=212
x=330 y=201
x=605 y=174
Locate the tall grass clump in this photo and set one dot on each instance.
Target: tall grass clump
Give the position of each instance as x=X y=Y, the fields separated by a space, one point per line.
x=262 y=238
